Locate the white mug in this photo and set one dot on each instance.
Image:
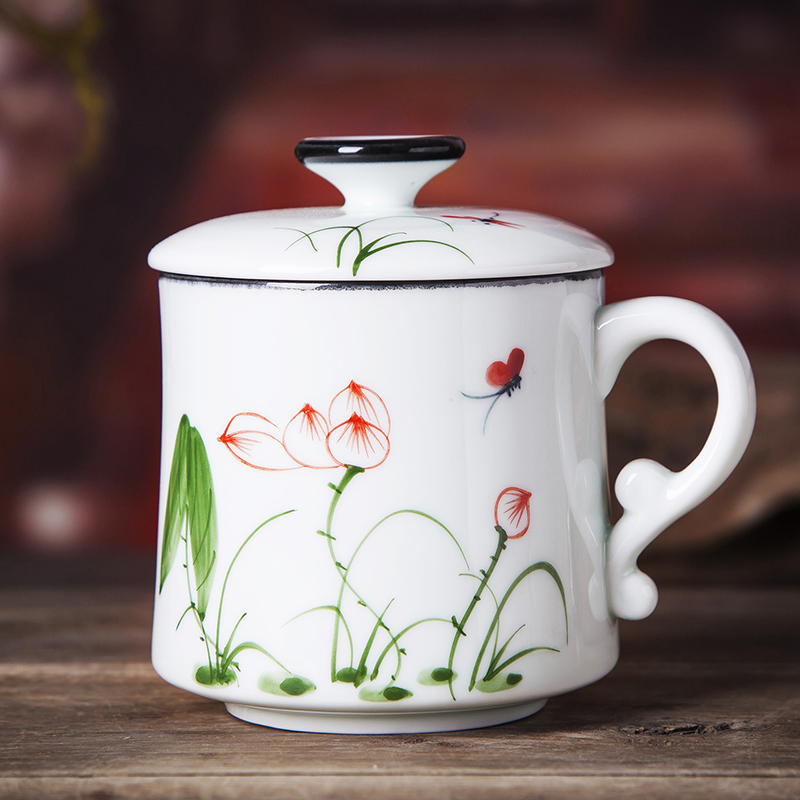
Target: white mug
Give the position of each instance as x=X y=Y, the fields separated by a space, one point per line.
x=384 y=503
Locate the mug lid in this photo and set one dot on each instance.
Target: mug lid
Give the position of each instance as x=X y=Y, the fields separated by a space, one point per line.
x=379 y=235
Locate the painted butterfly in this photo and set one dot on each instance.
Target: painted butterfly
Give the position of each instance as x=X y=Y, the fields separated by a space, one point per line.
x=492 y=220
x=503 y=374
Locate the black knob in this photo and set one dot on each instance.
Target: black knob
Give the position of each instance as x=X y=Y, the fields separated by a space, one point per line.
x=379 y=148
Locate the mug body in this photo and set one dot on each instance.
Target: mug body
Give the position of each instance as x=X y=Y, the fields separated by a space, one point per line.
x=383 y=506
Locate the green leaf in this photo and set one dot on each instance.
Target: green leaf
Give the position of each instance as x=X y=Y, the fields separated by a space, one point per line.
x=385 y=694
x=176 y=502
x=285 y=685
x=209 y=677
x=499 y=683
x=396 y=693
x=437 y=676
x=361 y=674
x=295 y=686
x=202 y=512
x=347 y=675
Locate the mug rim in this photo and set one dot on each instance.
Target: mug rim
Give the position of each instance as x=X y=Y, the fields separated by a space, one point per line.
x=584 y=275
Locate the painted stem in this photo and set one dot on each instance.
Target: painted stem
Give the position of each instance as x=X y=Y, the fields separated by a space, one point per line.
x=502 y=537
x=193 y=604
x=349 y=473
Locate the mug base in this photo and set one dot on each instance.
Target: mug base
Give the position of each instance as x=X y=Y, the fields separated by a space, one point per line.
x=408 y=722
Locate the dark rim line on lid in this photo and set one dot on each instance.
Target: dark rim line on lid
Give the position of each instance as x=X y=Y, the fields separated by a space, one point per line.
x=355 y=149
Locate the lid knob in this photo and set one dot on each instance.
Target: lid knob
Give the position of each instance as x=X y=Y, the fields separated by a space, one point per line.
x=379 y=172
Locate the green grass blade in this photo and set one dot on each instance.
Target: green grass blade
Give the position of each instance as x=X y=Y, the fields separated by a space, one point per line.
x=396 y=639
x=417 y=513
x=224 y=654
x=307 y=236
x=544 y=566
x=372 y=251
x=362 y=664
x=341 y=244
x=336 y=610
x=497 y=670
x=499 y=654
x=303 y=236
x=234 y=560
x=248 y=646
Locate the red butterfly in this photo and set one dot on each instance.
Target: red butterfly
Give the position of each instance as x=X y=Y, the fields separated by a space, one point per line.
x=505 y=375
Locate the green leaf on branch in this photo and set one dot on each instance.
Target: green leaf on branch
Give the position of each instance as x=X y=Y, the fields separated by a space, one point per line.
x=394 y=693
x=386 y=694
x=285 y=684
x=176 y=502
x=438 y=676
x=202 y=512
x=191 y=502
x=207 y=676
x=347 y=675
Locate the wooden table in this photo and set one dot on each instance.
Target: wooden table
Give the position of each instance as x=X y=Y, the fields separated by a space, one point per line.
x=705 y=703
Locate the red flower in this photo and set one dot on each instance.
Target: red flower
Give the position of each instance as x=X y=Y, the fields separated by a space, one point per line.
x=304 y=439
x=512 y=511
x=249 y=438
x=358 y=443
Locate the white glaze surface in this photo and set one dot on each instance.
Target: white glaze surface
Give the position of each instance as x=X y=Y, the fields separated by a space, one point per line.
x=379 y=222
x=270 y=245
x=232 y=349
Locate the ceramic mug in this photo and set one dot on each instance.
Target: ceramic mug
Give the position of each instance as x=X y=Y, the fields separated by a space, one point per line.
x=384 y=503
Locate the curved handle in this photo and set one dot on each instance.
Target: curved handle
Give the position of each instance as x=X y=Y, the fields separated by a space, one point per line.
x=653 y=496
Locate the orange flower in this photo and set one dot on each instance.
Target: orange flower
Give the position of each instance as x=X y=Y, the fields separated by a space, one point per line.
x=304 y=439
x=512 y=511
x=248 y=437
x=358 y=443
x=358 y=399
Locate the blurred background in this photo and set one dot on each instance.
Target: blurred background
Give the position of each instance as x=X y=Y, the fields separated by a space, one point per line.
x=671 y=129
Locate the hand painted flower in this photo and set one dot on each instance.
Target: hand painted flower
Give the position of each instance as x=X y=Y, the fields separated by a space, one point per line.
x=249 y=437
x=304 y=439
x=512 y=512
x=358 y=399
x=358 y=443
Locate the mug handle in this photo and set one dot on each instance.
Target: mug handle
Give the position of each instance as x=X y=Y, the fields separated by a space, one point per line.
x=652 y=496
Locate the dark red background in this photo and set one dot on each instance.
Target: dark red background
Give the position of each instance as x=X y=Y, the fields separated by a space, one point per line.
x=670 y=129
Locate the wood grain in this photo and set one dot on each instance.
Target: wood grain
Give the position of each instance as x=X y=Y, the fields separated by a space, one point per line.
x=704 y=703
